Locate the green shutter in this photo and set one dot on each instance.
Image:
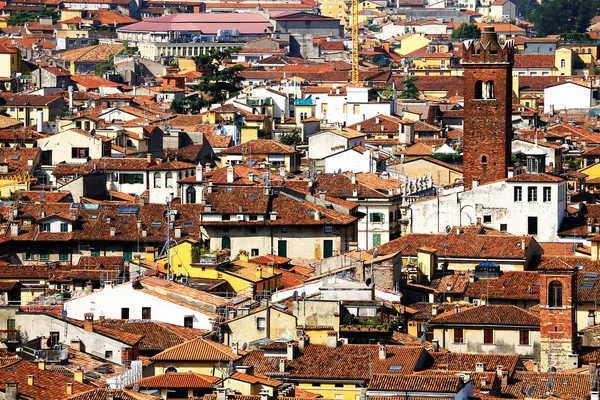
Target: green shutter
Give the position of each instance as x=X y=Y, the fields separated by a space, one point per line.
x=376 y=239
x=121 y=178
x=382 y=217
x=371 y=217
x=142 y=179
x=131 y=178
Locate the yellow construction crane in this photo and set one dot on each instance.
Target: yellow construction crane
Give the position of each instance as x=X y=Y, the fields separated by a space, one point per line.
x=355 y=43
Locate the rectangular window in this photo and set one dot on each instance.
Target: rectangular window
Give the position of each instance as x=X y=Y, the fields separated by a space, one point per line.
x=356 y=109
x=503 y=227
x=63 y=252
x=487 y=219
x=146 y=313
x=108 y=354
x=518 y=193
x=45 y=227
x=524 y=338
x=64 y=227
x=532 y=225
x=547 y=194
x=488 y=336
x=458 y=336
x=532 y=194
x=188 y=321
x=376 y=239
x=125 y=313
x=254 y=252
x=261 y=323
x=328 y=229
x=376 y=217
x=80 y=152
x=44 y=256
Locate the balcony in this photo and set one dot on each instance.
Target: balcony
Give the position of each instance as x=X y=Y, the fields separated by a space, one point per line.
x=200 y=257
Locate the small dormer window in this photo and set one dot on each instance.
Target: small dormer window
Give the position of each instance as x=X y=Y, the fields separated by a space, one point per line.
x=45 y=227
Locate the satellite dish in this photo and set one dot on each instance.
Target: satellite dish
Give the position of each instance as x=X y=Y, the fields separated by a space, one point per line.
x=339 y=171
x=64 y=313
x=530 y=390
x=422 y=339
x=136 y=388
x=295 y=295
x=448 y=229
x=244 y=346
x=376 y=253
x=369 y=281
x=303 y=296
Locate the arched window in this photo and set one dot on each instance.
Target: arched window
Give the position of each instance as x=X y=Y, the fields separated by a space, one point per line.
x=488 y=90
x=483 y=160
x=190 y=195
x=555 y=294
x=157 y=179
x=563 y=63
x=169 y=179
x=479 y=90
x=170 y=369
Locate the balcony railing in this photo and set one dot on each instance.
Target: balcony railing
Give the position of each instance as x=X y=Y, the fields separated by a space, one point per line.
x=303 y=102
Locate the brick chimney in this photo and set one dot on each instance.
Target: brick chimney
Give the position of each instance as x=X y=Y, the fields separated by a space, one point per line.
x=88 y=322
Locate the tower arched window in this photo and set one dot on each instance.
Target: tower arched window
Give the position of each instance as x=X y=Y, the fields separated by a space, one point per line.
x=169 y=180
x=563 y=63
x=190 y=195
x=488 y=90
x=479 y=90
x=483 y=160
x=157 y=179
x=555 y=294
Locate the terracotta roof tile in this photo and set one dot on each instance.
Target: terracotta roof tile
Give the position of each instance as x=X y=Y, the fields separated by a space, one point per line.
x=416 y=383
x=106 y=394
x=190 y=380
x=489 y=315
x=98 y=53
x=198 y=350
x=260 y=146
x=566 y=386
x=509 y=285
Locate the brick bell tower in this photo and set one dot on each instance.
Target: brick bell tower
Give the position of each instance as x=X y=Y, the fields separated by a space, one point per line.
x=558 y=326
x=488 y=107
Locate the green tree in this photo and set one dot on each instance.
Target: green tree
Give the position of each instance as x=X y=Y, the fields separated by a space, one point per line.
x=19 y=17
x=292 y=138
x=466 y=31
x=525 y=7
x=4 y=111
x=409 y=88
x=559 y=16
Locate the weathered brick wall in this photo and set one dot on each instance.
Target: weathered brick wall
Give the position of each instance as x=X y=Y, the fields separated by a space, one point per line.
x=487 y=121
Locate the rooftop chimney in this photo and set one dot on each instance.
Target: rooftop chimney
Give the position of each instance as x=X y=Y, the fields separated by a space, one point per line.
x=282 y=363
x=221 y=393
x=303 y=341
x=69 y=388
x=259 y=272
x=290 y=351
x=332 y=339
x=382 y=352
x=177 y=232
x=14 y=229
x=434 y=310
x=317 y=215
x=199 y=172
x=234 y=347
x=536 y=366
x=353 y=178
x=70 y=98
x=479 y=367
x=88 y=322
x=78 y=375
x=113 y=231
x=40 y=121
x=31 y=380
x=264 y=394
x=230 y=175
x=42 y=365
x=148 y=158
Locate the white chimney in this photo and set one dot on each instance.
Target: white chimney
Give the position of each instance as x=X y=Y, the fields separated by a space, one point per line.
x=113 y=231
x=354 y=192
x=230 y=174
x=290 y=351
x=475 y=183
x=479 y=367
x=382 y=352
x=317 y=215
x=40 y=121
x=434 y=310
x=199 y=175
x=70 y=98
x=353 y=178
x=14 y=229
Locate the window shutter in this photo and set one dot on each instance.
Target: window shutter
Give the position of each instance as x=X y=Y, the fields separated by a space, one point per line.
x=371 y=217
x=142 y=178
x=120 y=178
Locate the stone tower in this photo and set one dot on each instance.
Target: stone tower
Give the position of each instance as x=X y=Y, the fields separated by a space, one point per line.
x=558 y=326
x=488 y=107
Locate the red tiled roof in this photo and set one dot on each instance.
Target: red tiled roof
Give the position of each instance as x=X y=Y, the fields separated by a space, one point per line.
x=183 y=380
x=489 y=315
x=416 y=383
x=509 y=285
x=98 y=53
x=260 y=146
x=198 y=350
x=535 y=178
x=263 y=380
x=534 y=61
x=47 y=385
